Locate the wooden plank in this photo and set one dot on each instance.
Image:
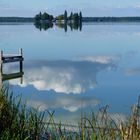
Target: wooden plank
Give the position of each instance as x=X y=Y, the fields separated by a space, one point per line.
x=1 y=55
x=7 y=55
x=12 y=76
x=8 y=58
x=11 y=57
x=12 y=60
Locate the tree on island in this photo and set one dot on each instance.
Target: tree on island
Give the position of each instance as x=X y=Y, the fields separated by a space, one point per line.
x=43 y=17
x=74 y=21
x=60 y=17
x=38 y=17
x=65 y=16
x=80 y=16
x=71 y=15
x=75 y=17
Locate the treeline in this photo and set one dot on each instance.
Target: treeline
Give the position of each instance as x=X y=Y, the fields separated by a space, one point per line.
x=111 y=19
x=45 y=17
x=68 y=18
x=71 y=17
x=16 y=19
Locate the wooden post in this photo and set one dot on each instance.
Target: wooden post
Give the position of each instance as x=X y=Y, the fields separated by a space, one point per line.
x=21 y=65
x=1 y=55
x=21 y=52
x=21 y=80
x=1 y=81
x=1 y=61
x=1 y=69
x=21 y=62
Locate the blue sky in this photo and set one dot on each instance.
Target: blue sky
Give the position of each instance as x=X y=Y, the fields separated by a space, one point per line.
x=88 y=7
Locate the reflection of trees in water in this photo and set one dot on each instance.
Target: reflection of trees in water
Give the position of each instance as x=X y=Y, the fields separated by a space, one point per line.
x=62 y=25
x=75 y=25
x=44 y=26
x=72 y=25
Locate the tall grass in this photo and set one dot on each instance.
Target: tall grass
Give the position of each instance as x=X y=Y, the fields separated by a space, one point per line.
x=16 y=122
x=19 y=123
x=100 y=126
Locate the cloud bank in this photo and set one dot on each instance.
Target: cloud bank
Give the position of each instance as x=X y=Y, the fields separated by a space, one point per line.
x=65 y=76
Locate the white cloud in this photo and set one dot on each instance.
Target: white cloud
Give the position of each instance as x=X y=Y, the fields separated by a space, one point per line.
x=136 y=6
x=118 y=118
x=70 y=103
x=66 y=76
x=132 y=71
x=40 y=106
x=101 y=59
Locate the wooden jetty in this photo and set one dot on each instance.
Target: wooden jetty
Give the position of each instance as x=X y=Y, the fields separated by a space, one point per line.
x=11 y=76
x=10 y=58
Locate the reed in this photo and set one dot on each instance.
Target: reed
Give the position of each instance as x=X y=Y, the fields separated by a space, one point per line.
x=19 y=123
x=16 y=122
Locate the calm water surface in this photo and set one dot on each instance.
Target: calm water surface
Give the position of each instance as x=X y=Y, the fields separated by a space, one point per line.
x=76 y=71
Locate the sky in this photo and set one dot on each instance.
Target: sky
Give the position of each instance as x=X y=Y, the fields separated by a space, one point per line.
x=28 y=8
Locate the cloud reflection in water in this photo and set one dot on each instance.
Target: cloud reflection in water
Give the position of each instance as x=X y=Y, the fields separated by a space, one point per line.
x=65 y=76
x=70 y=103
x=44 y=79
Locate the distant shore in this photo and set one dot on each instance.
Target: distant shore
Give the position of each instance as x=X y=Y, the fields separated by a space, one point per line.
x=111 y=19
x=84 y=19
x=16 y=19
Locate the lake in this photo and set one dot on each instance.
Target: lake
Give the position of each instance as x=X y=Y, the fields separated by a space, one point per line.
x=73 y=71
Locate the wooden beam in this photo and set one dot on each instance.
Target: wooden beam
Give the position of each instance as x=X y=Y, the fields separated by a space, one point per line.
x=12 y=76
x=12 y=60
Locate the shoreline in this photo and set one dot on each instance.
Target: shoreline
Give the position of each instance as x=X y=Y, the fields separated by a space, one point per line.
x=84 y=19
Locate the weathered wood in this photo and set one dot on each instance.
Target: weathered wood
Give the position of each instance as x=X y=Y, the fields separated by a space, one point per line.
x=11 y=57
x=21 y=66
x=12 y=76
x=21 y=52
x=12 y=60
x=0 y=80
x=1 y=61
x=7 y=58
x=1 y=55
x=8 y=55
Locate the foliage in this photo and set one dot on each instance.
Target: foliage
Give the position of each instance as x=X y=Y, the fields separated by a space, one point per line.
x=71 y=15
x=44 y=26
x=65 y=15
x=80 y=16
x=75 y=17
x=60 y=17
x=42 y=17
x=19 y=123
x=16 y=122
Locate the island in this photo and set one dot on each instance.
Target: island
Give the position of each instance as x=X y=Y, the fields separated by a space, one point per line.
x=45 y=21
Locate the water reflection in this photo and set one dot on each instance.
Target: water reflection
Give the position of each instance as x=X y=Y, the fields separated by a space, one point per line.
x=4 y=76
x=65 y=76
x=132 y=71
x=68 y=83
x=58 y=84
x=43 y=26
x=62 y=25
x=69 y=103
